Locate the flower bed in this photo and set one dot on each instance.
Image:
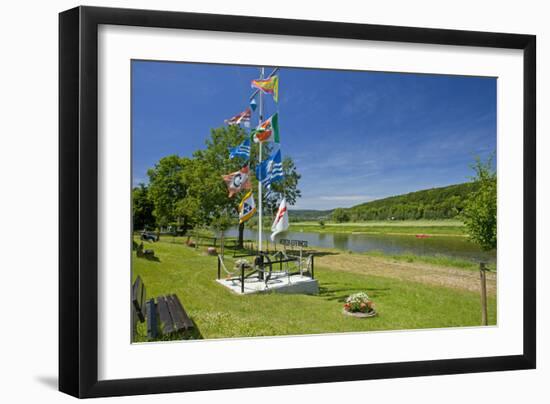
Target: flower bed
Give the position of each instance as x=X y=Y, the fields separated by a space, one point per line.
x=359 y=305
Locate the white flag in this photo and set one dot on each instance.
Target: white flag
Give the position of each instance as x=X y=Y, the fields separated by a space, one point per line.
x=281 y=220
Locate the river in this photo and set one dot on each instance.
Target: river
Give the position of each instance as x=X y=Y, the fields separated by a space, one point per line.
x=454 y=247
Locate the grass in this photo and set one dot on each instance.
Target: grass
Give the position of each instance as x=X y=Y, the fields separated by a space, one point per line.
x=218 y=313
x=411 y=227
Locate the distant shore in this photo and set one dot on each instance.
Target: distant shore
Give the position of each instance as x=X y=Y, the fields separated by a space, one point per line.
x=450 y=228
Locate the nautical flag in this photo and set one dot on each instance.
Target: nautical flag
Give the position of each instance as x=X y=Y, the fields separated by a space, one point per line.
x=237 y=181
x=247 y=207
x=253 y=104
x=268 y=86
x=280 y=223
x=270 y=170
x=242 y=150
x=267 y=131
x=243 y=117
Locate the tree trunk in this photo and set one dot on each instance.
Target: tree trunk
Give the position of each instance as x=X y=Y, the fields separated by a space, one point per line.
x=241 y=235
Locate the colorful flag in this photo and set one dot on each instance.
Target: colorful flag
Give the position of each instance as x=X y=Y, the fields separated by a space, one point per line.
x=243 y=117
x=242 y=150
x=237 y=181
x=270 y=170
x=267 y=131
x=247 y=207
x=268 y=86
x=280 y=223
x=253 y=104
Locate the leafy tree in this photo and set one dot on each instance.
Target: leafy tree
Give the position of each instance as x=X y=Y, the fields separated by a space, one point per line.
x=480 y=212
x=286 y=188
x=204 y=176
x=340 y=215
x=191 y=192
x=166 y=188
x=214 y=162
x=142 y=208
x=220 y=225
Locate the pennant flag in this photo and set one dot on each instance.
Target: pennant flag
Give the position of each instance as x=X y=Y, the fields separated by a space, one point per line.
x=247 y=207
x=243 y=117
x=253 y=104
x=280 y=223
x=242 y=150
x=268 y=86
x=270 y=170
x=267 y=131
x=237 y=181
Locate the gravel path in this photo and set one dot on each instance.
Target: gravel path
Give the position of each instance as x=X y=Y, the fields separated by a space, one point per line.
x=416 y=272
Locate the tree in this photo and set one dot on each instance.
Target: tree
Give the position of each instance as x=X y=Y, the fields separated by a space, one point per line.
x=220 y=224
x=166 y=188
x=204 y=176
x=214 y=161
x=340 y=215
x=480 y=212
x=190 y=191
x=142 y=208
x=286 y=188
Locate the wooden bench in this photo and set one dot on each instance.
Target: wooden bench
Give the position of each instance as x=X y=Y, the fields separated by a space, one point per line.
x=166 y=316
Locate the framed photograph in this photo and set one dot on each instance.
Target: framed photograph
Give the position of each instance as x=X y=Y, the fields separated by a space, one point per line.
x=252 y=202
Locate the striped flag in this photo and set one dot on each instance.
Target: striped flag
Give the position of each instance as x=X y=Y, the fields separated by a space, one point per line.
x=268 y=86
x=270 y=170
x=243 y=117
x=267 y=131
x=242 y=150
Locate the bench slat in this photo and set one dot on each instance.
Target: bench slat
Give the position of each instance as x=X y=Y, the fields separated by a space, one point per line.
x=152 y=326
x=187 y=322
x=175 y=312
x=138 y=298
x=164 y=314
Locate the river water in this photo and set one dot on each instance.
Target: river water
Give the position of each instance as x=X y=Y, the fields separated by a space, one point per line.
x=454 y=247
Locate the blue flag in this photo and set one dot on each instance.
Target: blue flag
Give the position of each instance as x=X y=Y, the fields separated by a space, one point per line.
x=270 y=170
x=253 y=104
x=242 y=150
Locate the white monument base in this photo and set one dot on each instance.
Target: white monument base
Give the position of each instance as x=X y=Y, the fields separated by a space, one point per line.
x=281 y=284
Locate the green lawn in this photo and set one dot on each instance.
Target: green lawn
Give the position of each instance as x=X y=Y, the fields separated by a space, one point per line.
x=432 y=227
x=218 y=313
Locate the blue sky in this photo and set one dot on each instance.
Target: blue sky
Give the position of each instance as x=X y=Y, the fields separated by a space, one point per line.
x=354 y=136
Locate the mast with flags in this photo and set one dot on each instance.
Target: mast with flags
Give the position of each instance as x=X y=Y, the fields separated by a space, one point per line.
x=267 y=171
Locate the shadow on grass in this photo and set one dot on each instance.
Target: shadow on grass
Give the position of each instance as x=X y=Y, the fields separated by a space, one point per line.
x=150 y=258
x=340 y=293
x=186 y=335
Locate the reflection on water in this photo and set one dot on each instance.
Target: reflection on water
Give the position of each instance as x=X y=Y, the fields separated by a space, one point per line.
x=455 y=247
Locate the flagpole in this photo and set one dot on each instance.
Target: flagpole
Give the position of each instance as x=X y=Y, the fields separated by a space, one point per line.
x=260 y=116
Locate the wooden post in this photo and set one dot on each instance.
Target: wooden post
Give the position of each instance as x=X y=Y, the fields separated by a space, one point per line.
x=483 y=279
x=312 y=275
x=219 y=267
x=242 y=279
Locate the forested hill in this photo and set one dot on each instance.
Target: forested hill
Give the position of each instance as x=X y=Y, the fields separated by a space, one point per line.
x=435 y=203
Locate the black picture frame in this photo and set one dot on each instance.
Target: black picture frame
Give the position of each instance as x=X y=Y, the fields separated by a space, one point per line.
x=78 y=201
